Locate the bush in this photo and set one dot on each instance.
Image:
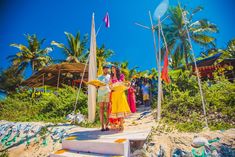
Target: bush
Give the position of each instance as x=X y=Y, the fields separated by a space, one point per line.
x=4 y=153
x=182 y=104
x=50 y=107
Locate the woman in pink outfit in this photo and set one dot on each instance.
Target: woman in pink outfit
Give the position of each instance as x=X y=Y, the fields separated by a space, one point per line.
x=131 y=98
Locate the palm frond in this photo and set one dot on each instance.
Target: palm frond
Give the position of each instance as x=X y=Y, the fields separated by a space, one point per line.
x=197 y=9
x=231 y=48
x=62 y=46
x=21 y=47
x=203 y=39
x=71 y=42
x=203 y=26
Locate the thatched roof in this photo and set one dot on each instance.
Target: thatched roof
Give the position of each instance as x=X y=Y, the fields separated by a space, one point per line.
x=65 y=72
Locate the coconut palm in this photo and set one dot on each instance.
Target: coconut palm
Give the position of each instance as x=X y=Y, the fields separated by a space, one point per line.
x=124 y=68
x=102 y=54
x=231 y=49
x=228 y=52
x=153 y=73
x=76 y=47
x=9 y=79
x=129 y=73
x=132 y=72
x=176 y=34
x=31 y=55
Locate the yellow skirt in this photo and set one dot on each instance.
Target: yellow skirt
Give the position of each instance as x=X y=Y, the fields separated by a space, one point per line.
x=119 y=105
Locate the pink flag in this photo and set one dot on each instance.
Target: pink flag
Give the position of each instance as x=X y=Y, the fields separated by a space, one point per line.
x=106 y=20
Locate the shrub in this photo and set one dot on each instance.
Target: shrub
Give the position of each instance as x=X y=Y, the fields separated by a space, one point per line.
x=51 y=107
x=182 y=104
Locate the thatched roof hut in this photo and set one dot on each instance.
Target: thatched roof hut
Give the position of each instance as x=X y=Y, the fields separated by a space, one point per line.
x=57 y=74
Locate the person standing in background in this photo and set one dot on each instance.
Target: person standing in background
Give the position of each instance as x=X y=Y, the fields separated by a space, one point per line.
x=146 y=93
x=131 y=97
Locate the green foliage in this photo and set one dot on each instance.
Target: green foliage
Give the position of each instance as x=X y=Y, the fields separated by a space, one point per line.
x=4 y=153
x=31 y=55
x=51 y=107
x=182 y=104
x=201 y=32
x=76 y=46
x=9 y=79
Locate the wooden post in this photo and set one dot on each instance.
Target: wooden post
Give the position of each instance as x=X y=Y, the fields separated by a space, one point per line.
x=196 y=68
x=43 y=82
x=58 y=80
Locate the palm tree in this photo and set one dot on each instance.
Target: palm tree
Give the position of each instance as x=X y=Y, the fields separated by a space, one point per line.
x=9 y=79
x=32 y=55
x=102 y=54
x=153 y=73
x=133 y=72
x=228 y=52
x=124 y=68
x=76 y=47
x=129 y=73
x=231 y=49
x=176 y=34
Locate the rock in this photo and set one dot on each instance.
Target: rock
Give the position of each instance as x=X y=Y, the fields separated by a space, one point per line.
x=161 y=152
x=200 y=141
x=139 y=153
x=151 y=144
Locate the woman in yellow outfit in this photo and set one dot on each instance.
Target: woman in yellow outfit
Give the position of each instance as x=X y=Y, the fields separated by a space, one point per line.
x=119 y=106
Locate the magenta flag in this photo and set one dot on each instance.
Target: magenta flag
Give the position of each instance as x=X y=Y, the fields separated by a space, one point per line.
x=106 y=20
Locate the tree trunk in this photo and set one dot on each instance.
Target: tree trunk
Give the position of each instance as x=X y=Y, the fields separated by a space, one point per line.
x=185 y=54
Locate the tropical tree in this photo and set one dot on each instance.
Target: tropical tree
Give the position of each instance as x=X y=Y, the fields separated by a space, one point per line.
x=230 y=49
x=76 y=47
x=133 y=72
x=228 y=52
x=176 y=34
x=102 y=54
x=153 y=73
x=31 y=55
x=124 y=68
x=129 y=73
x=9 y=79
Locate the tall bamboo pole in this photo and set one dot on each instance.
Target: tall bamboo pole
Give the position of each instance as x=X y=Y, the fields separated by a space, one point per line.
x=158 y=60
x=196 y=69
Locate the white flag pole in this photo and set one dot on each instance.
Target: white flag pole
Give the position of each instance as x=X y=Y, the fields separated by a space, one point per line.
x=158 y=60
x=92 y=75
x=197 y=72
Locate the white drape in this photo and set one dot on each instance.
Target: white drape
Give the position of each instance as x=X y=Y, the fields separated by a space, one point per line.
x=92 y=73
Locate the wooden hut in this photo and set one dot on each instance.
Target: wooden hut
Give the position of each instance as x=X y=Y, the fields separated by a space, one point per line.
x=57 y=74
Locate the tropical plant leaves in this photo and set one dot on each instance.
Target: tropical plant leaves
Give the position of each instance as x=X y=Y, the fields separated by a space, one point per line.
x=30 y=54
x=76 y=47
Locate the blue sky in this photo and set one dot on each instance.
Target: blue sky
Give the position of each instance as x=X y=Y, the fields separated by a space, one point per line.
x=51 y=18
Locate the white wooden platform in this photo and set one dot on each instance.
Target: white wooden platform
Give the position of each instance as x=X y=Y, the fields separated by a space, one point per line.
x=93 y=142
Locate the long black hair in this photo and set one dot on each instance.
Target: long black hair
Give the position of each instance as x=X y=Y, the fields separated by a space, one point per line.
x=118 y=73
